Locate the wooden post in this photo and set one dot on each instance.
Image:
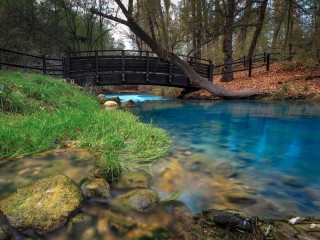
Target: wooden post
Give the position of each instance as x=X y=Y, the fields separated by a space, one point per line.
x=96 y=54
x=250 y=67
x=147 y=67
x=210 y=71
x=123 y=66
x=170 y=72
x=44 y=64
x=264 y=57
x=67 y=66
x=1 y=57
x=268 y=62
x=244 y=61
x=191 y=61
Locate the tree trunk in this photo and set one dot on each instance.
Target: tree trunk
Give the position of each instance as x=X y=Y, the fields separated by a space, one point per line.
x=258 y=28
x=195 y=78
x=227 y=74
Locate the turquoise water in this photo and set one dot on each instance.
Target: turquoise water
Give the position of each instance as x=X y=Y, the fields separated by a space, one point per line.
x=273 y=147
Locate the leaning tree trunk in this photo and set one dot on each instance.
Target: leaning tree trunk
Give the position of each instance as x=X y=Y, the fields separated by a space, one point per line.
x=195 y=78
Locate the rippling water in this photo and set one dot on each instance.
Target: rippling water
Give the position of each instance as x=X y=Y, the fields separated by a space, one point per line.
x=268 y=152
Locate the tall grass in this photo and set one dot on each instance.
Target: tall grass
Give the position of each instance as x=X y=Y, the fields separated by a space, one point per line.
x=39 y=113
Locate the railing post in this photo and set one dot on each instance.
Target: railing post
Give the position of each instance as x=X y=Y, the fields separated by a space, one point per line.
x=210 y=71
x=44 y=64
x=268 y=62
x=170 y=72
x=147 y=67
x=123 y=66
x=250 y=67
x=244 y=61
x=67 y=66
x=191 y=61
x=264 y=57
x=97 y=65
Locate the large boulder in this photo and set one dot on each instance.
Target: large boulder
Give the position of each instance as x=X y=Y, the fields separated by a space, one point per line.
x=96 y=188
x=141 y=200
x=43 y=206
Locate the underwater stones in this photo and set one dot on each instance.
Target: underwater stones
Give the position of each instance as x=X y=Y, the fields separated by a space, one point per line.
x=44 y=205
x=4 y=234
x=226 y=169
x=96 y=188
x=110 y=105
x=119 y=224
x=240 y=197
x=128 y=103
x=141 y=200
x=293 y=181
x=78 y=223
x=131 y=180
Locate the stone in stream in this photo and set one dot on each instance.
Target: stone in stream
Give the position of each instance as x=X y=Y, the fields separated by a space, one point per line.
x=96 y=188
x=128 y=103
x=141 y=200
x=110 y=105
x=130 y=180
x=226 y=169
x=44 y=205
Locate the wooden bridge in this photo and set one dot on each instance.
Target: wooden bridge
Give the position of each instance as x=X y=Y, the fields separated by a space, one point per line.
x=119 y=67
x=123 y=67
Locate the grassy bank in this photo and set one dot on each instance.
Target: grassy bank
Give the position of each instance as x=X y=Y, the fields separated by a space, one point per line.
x=40 y=113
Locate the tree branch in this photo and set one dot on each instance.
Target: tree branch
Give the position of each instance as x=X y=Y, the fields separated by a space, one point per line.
x=113 y=18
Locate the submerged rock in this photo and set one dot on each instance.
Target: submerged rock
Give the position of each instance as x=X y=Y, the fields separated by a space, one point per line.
x=240 y=197
x=131 y=180
x=226 y=169
x=96 y=188
x=4 y=234
x=44 y=205
x=119 y=224
x=129 y=103
x=78 y=224
x=141 y=200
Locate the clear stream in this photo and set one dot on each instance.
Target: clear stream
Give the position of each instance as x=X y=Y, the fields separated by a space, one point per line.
x=259 y=157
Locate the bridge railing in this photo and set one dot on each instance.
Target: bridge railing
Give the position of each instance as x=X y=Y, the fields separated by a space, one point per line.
x=42 y=64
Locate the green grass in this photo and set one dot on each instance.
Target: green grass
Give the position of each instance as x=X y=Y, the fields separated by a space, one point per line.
x=38 y=113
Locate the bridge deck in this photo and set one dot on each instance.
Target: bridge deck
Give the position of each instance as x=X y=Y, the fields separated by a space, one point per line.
x=127 y=68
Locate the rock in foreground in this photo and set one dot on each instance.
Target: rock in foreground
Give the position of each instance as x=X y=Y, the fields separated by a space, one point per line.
x=42 y=206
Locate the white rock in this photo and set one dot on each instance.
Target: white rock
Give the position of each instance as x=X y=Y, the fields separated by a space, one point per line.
x=294 y=220
x=110 y=105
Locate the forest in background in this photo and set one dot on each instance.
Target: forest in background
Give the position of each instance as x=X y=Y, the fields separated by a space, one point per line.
x=219 y=30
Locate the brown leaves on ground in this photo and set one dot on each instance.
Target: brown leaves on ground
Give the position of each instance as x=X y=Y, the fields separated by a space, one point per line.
x=281 y=82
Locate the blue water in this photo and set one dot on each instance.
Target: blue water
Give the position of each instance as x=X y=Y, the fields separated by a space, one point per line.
x=273 y=140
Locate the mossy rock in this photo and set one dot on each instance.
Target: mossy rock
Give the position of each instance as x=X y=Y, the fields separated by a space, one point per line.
x=141 y=200
x=43 y=206
x=130 y=180
x=96 y=188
